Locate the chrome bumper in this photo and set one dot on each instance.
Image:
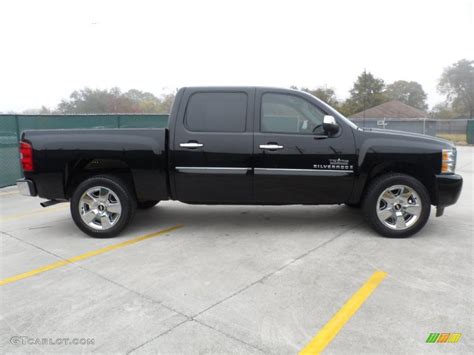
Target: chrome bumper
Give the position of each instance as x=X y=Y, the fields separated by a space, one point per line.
x=26 y=187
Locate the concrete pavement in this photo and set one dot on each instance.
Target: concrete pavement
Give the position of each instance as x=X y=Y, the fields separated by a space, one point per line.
x=236 y=279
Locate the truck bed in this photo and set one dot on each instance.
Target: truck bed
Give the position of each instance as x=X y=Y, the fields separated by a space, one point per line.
x=140 y=152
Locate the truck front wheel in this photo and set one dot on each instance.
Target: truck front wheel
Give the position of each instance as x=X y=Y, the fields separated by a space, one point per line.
x=102 y=206
x=397 y=205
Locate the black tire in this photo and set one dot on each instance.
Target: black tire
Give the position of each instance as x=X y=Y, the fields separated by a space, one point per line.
x=144 y=205
x=122 y=192
x=374 y=191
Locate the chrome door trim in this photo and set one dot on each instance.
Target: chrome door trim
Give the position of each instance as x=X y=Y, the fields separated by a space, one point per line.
x=261 y=171
x=212 y=170
x=307 y=172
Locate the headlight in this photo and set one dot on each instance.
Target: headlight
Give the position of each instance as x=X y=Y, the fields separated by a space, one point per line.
x=448 y=163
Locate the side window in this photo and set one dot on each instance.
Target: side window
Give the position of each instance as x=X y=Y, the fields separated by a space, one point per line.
x=217 y=112
x=283 y=113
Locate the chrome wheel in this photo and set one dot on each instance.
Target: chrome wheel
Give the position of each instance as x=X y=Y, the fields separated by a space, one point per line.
x=399 y=207
x=100 y=208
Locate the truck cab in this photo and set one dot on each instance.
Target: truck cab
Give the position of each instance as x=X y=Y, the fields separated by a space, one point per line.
x=259 y=145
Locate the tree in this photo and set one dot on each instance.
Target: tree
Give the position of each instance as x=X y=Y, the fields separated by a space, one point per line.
x=166 y=102
x=408 y=92
x=38 y=111
x=457 y=83
x=114 y=101
x=326 y=94
x=368 y=91
x=147 y=102
x=442 y=110
x=91 y=101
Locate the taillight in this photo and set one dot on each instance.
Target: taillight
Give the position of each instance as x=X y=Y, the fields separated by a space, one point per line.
x=26 y=156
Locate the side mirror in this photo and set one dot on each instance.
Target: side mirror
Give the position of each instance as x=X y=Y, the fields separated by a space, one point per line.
x=330 y=125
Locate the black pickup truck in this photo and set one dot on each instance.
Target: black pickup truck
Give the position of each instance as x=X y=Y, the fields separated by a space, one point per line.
x=242 y=145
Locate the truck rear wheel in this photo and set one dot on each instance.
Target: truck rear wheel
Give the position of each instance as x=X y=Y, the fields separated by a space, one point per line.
x=396 y=205
x=102 y=206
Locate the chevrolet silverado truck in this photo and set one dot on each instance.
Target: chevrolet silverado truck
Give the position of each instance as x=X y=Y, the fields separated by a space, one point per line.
x=242 y=145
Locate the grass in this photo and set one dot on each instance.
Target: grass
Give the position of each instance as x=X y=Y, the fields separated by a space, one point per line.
x=456 y=138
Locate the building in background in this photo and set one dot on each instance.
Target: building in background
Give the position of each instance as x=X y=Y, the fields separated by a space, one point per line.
x=391 y=109
x=397 y=116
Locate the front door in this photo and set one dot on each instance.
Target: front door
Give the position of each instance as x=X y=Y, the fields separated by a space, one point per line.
x=295 y=161
x=212 y=146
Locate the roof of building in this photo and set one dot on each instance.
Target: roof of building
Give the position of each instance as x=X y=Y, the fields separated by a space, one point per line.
x=391 y=109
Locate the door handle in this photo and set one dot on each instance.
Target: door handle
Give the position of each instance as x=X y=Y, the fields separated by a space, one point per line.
x=191 y=145
x=270 y=146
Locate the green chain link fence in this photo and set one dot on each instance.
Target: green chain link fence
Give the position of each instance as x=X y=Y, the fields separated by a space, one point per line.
x=11 y=127
x=470 y=132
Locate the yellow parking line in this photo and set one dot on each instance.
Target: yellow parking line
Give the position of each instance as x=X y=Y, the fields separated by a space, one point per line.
x=9 y=193
x=14 y=216
x=85 y=256
x=330 y=330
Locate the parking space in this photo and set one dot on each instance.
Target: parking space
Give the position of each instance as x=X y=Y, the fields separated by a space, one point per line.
x=235 y=279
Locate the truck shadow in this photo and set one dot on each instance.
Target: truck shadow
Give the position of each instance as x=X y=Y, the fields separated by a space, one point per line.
x=248 y=219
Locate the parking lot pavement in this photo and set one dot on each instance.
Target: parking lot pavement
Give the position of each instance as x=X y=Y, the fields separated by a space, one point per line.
x=234 y=279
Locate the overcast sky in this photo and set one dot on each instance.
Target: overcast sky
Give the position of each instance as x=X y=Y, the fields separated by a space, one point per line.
x=50 y=48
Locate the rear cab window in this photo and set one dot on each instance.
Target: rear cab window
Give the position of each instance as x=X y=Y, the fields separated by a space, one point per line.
x=216 y=112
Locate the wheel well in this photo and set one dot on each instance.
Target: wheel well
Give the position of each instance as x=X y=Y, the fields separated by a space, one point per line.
x=80 y=170
x=421 y=173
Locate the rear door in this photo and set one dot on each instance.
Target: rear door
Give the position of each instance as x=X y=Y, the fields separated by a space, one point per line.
x=212 y=146
x=295 y=161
